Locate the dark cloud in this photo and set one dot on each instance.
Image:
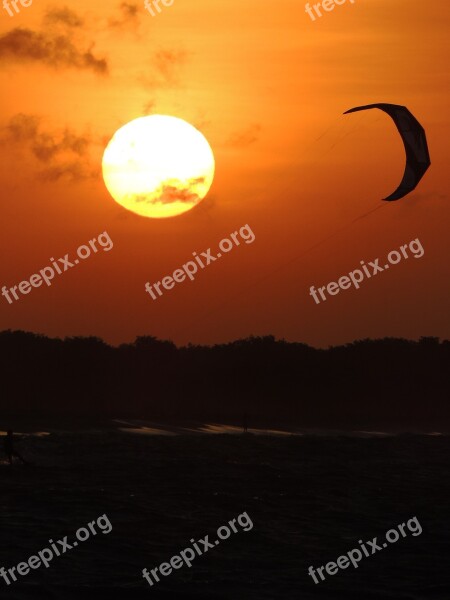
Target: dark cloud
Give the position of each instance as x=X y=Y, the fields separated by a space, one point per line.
x=59 y=154
x=22 y=128
x=171 y=194
x=242 y=139
x=50 y=48
x=64 y=16
x=167 y=193
x=45 y=147
x=129 y=16
x=25 y=128
x=73 y=171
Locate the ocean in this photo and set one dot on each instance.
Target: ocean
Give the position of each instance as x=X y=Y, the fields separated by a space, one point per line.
x=311 y=497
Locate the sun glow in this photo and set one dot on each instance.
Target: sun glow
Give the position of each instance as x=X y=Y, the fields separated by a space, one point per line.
x=158 y=166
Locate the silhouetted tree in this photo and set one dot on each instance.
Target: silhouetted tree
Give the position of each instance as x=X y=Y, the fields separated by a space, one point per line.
x=367 y=383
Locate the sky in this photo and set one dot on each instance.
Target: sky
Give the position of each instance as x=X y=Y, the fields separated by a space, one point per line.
x=267 y=87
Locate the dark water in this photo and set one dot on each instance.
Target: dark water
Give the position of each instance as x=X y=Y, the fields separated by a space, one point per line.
x=310 y=500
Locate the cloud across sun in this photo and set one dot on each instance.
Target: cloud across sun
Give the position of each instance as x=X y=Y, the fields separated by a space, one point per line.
x=158 y=166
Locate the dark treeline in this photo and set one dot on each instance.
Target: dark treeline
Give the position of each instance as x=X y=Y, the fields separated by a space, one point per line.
x=369 y=383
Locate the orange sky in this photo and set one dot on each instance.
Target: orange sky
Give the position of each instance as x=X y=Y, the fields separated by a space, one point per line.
x=263 y=83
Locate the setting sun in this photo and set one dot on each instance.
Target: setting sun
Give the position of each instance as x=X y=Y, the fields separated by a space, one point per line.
x=158 y=166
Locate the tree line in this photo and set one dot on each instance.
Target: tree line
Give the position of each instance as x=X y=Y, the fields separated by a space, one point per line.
x=368 y=383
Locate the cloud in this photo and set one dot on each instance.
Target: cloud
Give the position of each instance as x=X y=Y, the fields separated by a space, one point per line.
x=149 y=107
x=73 y=171
x=60 y=154
x=45 y=147
x=168 y=61
x=22 y=128
x=25 y=128
x=169 y=194
x=64 y=16
x=129 y=17
x=164 y=69
x=245 y=138
x=50 y=48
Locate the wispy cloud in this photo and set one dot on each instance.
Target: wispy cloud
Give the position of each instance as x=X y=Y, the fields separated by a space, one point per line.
x=244 y=138
x=64 y=16
x=59 y=154
x=129 y=18
x=171 y=194
x=168 y=61
x=168 y=193
x=52 y=48
x=70 y=170
x=164 y=69
x=149 y=107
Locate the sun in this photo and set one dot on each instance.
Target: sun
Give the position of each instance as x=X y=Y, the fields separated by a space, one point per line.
x=158 y=166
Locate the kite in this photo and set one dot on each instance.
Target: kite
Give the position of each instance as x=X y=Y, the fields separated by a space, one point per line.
x=415 y=142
